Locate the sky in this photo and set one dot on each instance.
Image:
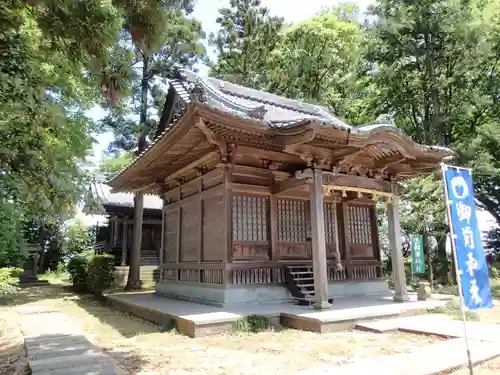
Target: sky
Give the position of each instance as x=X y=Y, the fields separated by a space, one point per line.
x=207 y=11
x=293 y=11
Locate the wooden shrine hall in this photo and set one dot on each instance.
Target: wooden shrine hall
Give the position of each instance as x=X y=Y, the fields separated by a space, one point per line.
x=271 y=199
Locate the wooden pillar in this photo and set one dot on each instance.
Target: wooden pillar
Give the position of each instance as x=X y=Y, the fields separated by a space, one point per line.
x=162 y=240
x=228 y=224
x=398 y=268
x=273 y=226
x=124 y=242
x=228 y=214
x=273 y=221
x=179 y=227
x=318 y=242
x=116 y=223
x=135 y=252
x=347 y=239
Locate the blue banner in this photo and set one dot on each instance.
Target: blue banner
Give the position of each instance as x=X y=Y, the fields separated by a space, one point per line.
x=469 y=252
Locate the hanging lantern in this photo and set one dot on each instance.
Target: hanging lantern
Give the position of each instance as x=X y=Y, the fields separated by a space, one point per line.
x=344 y=194
x=360 y=195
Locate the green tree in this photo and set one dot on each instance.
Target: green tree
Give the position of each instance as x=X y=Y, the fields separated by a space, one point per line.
x=318 y=60
x=48 y=50
x=112 y=164
x=434 y=66
x=78 y=238
x=44 y=90
x=11 y=240
x=247 y=34
x=432 y=61
x=157 y=37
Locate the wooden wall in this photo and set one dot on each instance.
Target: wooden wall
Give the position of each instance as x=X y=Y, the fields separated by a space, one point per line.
x=195 y=228
x=198 y=228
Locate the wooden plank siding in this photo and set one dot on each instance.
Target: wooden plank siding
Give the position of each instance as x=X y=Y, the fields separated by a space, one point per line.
x=226 y=227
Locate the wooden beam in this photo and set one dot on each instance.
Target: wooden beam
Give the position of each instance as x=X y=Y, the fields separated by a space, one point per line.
x=338 y=181
x=267 y=154
x=297 y=138
x=192 y=165
x=212 y=137
x=249 y=189
x=290 y=183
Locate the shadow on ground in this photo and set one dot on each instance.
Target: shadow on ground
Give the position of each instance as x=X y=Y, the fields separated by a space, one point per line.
x=126 y=324
x=37 y=293
x=62 y=354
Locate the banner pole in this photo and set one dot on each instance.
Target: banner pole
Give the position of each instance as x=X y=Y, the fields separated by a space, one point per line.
x=457 y=270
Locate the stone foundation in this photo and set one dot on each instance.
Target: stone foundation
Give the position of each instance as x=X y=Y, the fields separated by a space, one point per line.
x=222 y=295
x=149 y=275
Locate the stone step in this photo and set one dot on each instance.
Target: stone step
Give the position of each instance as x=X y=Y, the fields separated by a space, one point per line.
x=88 y=369
x=301 y=273
x=305 y=285
x=59 y=361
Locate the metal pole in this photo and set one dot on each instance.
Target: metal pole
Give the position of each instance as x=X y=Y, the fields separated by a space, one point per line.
x=457 y=270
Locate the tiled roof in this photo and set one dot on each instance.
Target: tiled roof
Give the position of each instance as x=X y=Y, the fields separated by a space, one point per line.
x=152 y=202
x=272 y=110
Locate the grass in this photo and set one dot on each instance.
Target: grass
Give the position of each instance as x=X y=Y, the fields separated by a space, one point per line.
x=12 y=355
x=454 y=312
x=55 y=277
x=141 y=347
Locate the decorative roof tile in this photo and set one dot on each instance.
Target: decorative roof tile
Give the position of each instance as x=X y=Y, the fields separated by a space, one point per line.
x=152 y=202
x=272 y=110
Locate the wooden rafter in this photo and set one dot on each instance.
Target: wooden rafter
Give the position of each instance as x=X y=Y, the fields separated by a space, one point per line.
x=212 y=137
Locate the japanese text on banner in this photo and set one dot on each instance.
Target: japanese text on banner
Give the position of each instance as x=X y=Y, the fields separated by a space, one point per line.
x=473 y=269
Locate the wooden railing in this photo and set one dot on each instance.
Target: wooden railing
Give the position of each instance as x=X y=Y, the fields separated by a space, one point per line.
x=336 y=274
x=263 y=272
x=100 y=247
x=365 y=270
x=206 y=273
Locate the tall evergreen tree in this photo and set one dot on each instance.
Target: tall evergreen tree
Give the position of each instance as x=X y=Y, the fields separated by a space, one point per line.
x=156 y=38
x=434 y=64
x=318 y=60
x=247 y=34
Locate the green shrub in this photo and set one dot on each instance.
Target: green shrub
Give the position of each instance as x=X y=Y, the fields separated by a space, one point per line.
x=494 y=273
x=78 y=271
x=251 y=323
x=7 y=273
x=15 y=272
x=6 y=289
x=100 y=275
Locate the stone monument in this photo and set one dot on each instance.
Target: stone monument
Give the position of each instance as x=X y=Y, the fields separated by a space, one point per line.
x=424 y=291
x=29 y=275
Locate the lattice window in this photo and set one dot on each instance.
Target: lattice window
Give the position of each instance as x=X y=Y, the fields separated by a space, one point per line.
x=292 y=220
x=250 y=218
x=360 y=224
x=331 y=227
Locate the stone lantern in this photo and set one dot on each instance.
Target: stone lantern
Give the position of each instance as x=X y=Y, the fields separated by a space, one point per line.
x=29 y=275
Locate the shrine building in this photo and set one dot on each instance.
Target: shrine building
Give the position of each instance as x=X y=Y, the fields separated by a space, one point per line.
x=268 y=199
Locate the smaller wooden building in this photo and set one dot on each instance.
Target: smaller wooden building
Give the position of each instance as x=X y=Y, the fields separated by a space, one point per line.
x=119 y=209
x=269 y=199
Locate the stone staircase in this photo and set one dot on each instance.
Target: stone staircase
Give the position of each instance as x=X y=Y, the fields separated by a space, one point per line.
x=149 y=257
x=300 y=282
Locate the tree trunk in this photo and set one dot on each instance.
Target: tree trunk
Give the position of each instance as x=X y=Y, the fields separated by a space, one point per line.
x=442 y=256
x=427 y=252
x=134 y=272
